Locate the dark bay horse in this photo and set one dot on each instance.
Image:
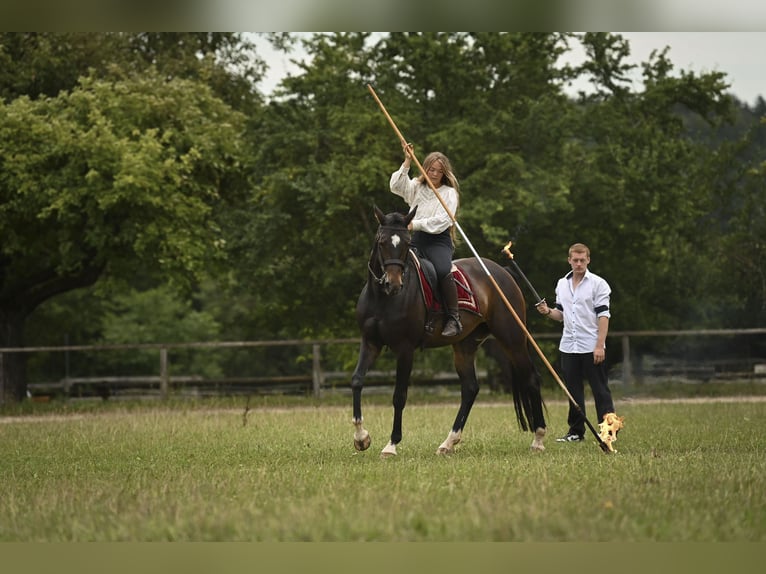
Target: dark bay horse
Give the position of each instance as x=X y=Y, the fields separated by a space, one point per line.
x=391 y=312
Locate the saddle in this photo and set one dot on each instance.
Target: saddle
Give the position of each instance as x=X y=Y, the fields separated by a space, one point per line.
x=431 y=296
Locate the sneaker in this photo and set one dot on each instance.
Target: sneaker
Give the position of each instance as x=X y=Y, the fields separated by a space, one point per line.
x=571 y=437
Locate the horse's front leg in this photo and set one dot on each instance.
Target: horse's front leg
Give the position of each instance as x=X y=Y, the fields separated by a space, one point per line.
x=469 y=388
x=403 y=371
x=368 y=353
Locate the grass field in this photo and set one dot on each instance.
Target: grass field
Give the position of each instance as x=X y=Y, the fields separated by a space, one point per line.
x=685 y=471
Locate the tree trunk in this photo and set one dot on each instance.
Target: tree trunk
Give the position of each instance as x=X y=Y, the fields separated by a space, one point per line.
x=13 y=380
x=18 y=301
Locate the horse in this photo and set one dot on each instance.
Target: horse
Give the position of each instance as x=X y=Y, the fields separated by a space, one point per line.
x=392 y=312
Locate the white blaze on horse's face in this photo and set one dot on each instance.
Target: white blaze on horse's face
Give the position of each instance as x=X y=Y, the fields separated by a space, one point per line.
x=393 y=273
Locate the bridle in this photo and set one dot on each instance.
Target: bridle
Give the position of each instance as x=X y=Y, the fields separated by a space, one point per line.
x=383 y=263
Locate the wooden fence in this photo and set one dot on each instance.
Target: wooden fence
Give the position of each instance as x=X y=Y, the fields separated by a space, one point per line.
x=318 y=378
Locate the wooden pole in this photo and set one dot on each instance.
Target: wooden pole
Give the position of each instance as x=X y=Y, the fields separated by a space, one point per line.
x=164 y=374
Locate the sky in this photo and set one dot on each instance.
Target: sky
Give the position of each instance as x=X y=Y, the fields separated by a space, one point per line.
x=738 y=54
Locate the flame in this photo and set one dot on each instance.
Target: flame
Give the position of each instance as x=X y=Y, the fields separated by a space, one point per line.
x=608 y=429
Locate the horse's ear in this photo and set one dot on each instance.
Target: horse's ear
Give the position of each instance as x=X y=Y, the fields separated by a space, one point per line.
x=410 y=215
x=379 y=215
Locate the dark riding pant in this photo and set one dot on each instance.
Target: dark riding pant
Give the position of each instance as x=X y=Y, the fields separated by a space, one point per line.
x=437 y=248
x=576 y=367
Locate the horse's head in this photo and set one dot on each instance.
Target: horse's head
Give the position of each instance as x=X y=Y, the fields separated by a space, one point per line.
x=392 y=246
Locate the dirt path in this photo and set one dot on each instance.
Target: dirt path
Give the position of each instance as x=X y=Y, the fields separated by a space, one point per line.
x=625 y=401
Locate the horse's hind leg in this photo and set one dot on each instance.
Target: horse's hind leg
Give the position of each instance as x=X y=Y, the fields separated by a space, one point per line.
x=526 y=388
x=537 y=405
x=368 y=353
x=465 y=354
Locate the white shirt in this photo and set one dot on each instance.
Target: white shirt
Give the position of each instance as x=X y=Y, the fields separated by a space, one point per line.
x=581 y=309
x=431 y=216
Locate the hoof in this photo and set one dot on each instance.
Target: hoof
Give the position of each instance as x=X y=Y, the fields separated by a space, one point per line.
x=448 y=446
x=363 y=443
x=537 y=443
x=388 y=451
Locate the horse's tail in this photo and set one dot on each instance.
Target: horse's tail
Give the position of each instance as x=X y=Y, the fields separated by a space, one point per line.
x=525 y=381
x=526 y=389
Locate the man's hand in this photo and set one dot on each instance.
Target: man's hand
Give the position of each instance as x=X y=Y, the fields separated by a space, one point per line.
x=599 y=355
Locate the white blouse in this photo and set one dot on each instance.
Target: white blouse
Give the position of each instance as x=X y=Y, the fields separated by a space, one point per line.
x=431 y=216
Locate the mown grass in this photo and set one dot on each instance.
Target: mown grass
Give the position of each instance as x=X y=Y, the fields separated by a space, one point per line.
x=209 y=471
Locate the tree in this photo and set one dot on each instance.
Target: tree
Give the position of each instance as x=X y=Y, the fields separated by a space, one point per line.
x=654 y=180
x=738 y=247
x=40 y=64
x=111 y=179
x=318 y=170
x=640 y=186
x=326 y=153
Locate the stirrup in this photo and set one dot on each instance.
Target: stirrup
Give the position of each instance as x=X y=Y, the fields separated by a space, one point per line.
x=452 y=327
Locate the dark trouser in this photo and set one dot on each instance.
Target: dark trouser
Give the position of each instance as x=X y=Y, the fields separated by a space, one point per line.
x=576 y=367
x=437 y=249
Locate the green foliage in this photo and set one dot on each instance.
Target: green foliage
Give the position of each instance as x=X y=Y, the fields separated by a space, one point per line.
x=135 y=168
x=641 y=188
x=42 y=64
x=118 y=175
x=616 y=168
x=158 y=316
x=154 y=315
x=113 y=170
x=319 y=158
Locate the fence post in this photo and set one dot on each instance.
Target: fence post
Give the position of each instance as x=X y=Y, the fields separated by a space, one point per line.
x=627 y=368
x=316 y=372
x=164 y=378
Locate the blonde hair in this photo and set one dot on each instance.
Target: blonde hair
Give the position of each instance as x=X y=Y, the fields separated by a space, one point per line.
x=448 y=178
x=448 y=174
x=579 y=248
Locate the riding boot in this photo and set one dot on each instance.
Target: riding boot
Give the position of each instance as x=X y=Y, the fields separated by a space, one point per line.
x=452 y=325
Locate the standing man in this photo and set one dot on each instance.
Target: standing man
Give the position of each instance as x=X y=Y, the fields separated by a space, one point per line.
x=582 y=303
